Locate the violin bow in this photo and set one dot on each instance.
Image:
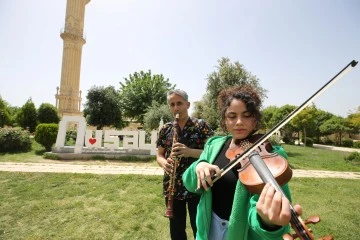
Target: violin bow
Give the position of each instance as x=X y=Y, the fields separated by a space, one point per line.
x=277 y=127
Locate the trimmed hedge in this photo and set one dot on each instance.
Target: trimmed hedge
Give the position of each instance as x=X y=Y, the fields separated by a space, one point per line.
x=14 y=140
x=45 y=134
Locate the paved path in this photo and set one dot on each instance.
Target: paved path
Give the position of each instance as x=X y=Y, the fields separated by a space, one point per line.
x=118 y=169
x=343 y=149
x=78 y=168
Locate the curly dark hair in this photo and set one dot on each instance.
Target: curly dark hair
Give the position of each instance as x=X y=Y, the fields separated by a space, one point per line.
x=245 y=93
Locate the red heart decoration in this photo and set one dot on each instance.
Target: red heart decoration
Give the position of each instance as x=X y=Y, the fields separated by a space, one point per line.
x=92 y=140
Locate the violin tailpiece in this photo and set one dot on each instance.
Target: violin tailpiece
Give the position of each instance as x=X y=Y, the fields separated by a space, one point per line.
x=245 y=144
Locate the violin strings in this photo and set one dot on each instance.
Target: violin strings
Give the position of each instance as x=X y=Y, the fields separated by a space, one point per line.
x=245 y=144
x=298 y=225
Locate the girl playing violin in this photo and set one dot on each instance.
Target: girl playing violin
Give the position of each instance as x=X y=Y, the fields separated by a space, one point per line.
x=226 y=209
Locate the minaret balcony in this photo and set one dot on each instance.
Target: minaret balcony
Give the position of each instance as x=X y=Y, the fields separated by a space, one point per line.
x=73 y=34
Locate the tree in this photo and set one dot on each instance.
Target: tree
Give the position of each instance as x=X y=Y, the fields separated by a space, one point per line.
x=5 y=115
x=305 y=120
x=353 y=122
x=27 y=116
x=198 y=109
x=208 y=112
x=13 y=111
x=47 y=113
x=267 y=114
x=320 y=117
x=140 y=90
x=154 y=114
x=279 y=115
x=335 y=125
x=227 y=74
x=103 y=108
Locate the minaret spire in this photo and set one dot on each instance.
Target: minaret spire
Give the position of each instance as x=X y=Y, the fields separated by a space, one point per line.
x=68 y=99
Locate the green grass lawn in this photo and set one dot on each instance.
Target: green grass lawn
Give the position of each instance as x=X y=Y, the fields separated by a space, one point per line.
x=335 y=201
x=319 y=159
x=87 y=206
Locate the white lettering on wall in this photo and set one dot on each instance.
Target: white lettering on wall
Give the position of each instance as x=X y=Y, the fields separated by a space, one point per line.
x=131 y=139
x=81 y=124
x=93 y=141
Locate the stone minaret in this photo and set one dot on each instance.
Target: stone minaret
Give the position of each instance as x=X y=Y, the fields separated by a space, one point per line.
x=68 y=99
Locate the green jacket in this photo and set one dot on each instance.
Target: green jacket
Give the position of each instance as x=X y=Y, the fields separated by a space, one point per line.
x=243 y=222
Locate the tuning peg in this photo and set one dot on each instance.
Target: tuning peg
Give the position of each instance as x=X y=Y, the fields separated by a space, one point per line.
x=313 y=219
x=326 y=238
x=288 y=236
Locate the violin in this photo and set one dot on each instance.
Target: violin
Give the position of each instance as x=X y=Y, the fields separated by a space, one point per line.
x=248 y=176
x=264 y=166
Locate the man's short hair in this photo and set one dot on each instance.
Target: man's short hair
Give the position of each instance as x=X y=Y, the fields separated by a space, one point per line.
x=179 y=92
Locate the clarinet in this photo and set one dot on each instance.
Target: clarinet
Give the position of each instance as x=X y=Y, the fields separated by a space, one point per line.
x=171 y=188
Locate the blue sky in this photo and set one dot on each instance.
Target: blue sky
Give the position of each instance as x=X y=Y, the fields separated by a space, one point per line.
x=293 y=47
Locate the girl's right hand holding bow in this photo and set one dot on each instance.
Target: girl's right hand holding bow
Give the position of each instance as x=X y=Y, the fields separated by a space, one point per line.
x=205 y=171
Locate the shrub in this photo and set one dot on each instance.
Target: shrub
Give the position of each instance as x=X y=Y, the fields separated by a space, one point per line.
x=328 y=141
x=288 y=140
x=275 y=140
x=353 y=157
x=45 y=134
x=220 y=132
x=309 y=142
x=14 y=140
x=356 y=144
x=51 y=156
x=347 y=142
x=70 y=138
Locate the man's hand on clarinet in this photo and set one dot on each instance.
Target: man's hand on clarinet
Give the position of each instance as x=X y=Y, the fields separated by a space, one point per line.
x=168 y=166
x=180 y=150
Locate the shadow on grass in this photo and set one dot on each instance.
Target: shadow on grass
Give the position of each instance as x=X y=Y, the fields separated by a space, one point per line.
x=292 y=166
x=292 y=154
x=40 y=152
x=126 y=159
x=13 y=153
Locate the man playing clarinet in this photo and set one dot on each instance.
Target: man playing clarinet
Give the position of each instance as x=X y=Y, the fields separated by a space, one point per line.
x=192 y=134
